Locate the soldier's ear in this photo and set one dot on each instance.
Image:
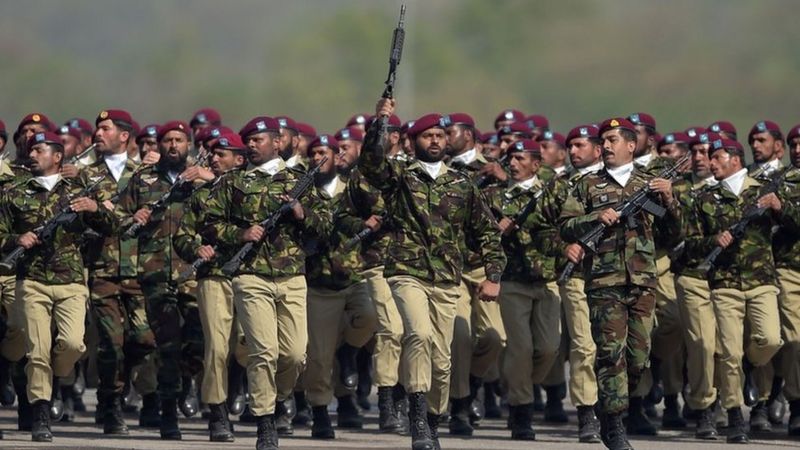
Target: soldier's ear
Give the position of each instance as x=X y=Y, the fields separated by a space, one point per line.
x=125 y=136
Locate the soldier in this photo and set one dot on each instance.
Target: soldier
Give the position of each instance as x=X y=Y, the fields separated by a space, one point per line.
x=621 y=276
x=724 y=129
x=645 y=138
x=539 y=125
x=507 y=117
x=554 y=151
x=743 y=283
x=305 y=133
x=171 y=303
x=507 y=135
x=270 y=289
x=204 y=118
x=359 y=121
x=432 y=207
x=290 y=143
x=489 y=146
x=766 y=142
x=50 y=280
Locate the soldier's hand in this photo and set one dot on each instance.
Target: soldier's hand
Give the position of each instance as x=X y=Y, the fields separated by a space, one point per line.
x=83 y=204
x=574 y=253
x=197 y=173
x=142 y=216
x=724 y=239
x=109 y=206
x=253 y=234
x=506 y=225
x=373 y=223
x=770 y=201
x=608 y=217
x=664 y=189
x=495 y=170
x=206 y=253
x=297 y=208
x=151 y=158
x=385 y=107
x=28 y=240
x=488 y=291
x=69 y=171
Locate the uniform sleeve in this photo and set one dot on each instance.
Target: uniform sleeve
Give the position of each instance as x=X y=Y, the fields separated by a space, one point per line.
x=187 y=238
x=373 y=164
x=790 y=208
x=348 y=216
x=667 y=230
x=483 y=229
x=128 y=203
x=8 y=239
x=219 y=225
x=104 y=221
x=574 y=220
x=699 y=238
x=318 y=221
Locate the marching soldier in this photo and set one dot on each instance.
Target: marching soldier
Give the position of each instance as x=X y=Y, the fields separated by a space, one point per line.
x=766 y=142
x=646 y=141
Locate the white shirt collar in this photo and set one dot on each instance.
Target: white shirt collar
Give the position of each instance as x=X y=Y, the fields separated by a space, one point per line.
x=466 y=157
x=116 y=164
x=433 y=169
x=271 y=167
x=525 y=185
x=710 y=181
x=48 y=182
x=330 y=187
x=735 y=182
x=622 y=174
x=644 y=160
x=173 y=175
x=772 y=166
x=560 y=169
x=591 y=169
x=292 y=161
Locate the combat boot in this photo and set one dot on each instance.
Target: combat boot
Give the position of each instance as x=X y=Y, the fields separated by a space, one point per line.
x=638 y=423
x=794 y=418
x=283 y=419
x=554 y=408
x=189 y=403
x=759 y=420
x=267 y=434
x=613 y=434
x=672 y=417
x=40 y=428
x=706 y=429
x=219 y=425
x=521 y=417
x=236 y=396
x=321 y=427
x=348 y=367
x=421 y=438
x=303 y=415
x=475 y=414
x=491 y=403
x=56 y=404
x=433 y=425
x=459 y=417
x=169 y=420
x=588 y=425
x=347 y=414
x=388 y=418
x=113 y=423
x=149 y=417
x=738 y=429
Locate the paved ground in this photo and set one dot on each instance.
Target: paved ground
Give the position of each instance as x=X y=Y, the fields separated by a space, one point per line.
x=492 y=435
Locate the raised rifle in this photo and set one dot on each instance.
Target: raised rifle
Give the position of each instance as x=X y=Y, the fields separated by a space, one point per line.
x=639 y=201
x=303 y=184
x=74 y=160
x=395 y=53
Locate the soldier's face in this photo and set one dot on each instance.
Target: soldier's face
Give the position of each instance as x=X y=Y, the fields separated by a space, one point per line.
x=508 y=139
x=146 y=145
x=723 y=164
x=553 y=154
x=262 y=147
x=109 y=138
x=700 y=161
x=70 y=145
x=223 y=160
x=174 y=147
x=456 y=139
x=302 y=145
x=765 y=147
x=616 y=150
x=584 y=153
x=289 y=141
x=44 y=160
x=643 y=140
x=523 y=166
x=318 y=153
x=491 y=151
x=349 y=150
x=672 y=151
x=794 y=151
x=430 y=145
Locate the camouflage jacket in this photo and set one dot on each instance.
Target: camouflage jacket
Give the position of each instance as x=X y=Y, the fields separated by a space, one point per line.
x=682 y=262
x=157 y=261
x=763 y=172
x=431 y=219
x=747 y=263
x=11 y=173
x=359 y=202
x=531 y=249
x=111 y=256
x=785 y=242
x=26 y=205
x=246 y=198
x=472 y=259
x=624 y=255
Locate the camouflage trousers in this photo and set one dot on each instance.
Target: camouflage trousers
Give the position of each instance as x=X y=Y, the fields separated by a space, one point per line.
x=125 y=337
x=621 y=318
x=175 y=320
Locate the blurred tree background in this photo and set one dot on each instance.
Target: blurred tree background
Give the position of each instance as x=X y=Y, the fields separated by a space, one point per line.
x=687 y=62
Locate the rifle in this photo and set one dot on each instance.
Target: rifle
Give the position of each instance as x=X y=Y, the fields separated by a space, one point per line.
x=78 y=157
x=750 y=213
x=395 y=53
x=45 y=231
x=627 y=210
x=361 y=235
x=303 y=184
x=483 y=180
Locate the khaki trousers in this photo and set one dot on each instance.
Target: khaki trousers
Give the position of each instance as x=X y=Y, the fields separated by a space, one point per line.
x=789 y=307
x=700 y=336
x=478 y=335
x=582 y=350
x=428 y=311
x=732 y=307
x=272 y=312
x=389 y=332
x=532 y=318
x=668 y=342
x=12 y=346
x=347 y=316
x=62 y=305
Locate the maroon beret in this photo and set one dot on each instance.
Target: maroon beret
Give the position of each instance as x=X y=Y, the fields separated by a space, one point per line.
x=3 y=131
x=148 y=131
x=306 y=130
x=358 y=119
x=425 y=122
x=44 y=137
x=643 y=119
x=81 y=124
x=704 y=138
x=515 y=128
x=722 y=126
x=525 y=145
x=537 y=121
x=74 y=132
x=173 y=125
x=762 y=127
x=260 y=124
x=406 y=126
x=325 y=140
x=350 y=133
x=287 y=122
x=489 y=138
x=229 y=141
x=114 y=115
x=208 y=133
x=793 y=133
x=727 y=144
x=206 y=115
x=582 y=131
x=694 y=131
x=35 y=118
x=616 y=122
x=514 y=115
x=672 y=138
x=553 y=136
x=458 y=119
x=135 y=128
x=394 y=123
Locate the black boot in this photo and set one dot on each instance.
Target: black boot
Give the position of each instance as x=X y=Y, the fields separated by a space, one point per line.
x=100 y=409
x=759 y=420
x=638 y=423
x=554 y=408
x=738 y=429
x=283 y=419
x=750 y=390
x=348 y=367
x=267 y=434
x=236 y=397
x=303 y=415
x=40 y=429
x=130 y=398
x=613 y=434
x=400 y=397
x=56 y=404
x=521 y=418
x=421 y=438
x=247 y=415
x=475 y=414
x=433 y=425
x=588 y=425
x=149 y=417
x=491 y=403
x=388 y=419
x=347 y=414
x=459 y=417
x=219 y=425
x=67 y=402
x=776 y=404
x=322 y=428
x=794 y=418
x=538 y=402
x=706 y=428
x=7 y=394
x=113 y=423
x=672 y=417
x=189 y=403
x=24 y=408
x=364 y=363
x=169 y=420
